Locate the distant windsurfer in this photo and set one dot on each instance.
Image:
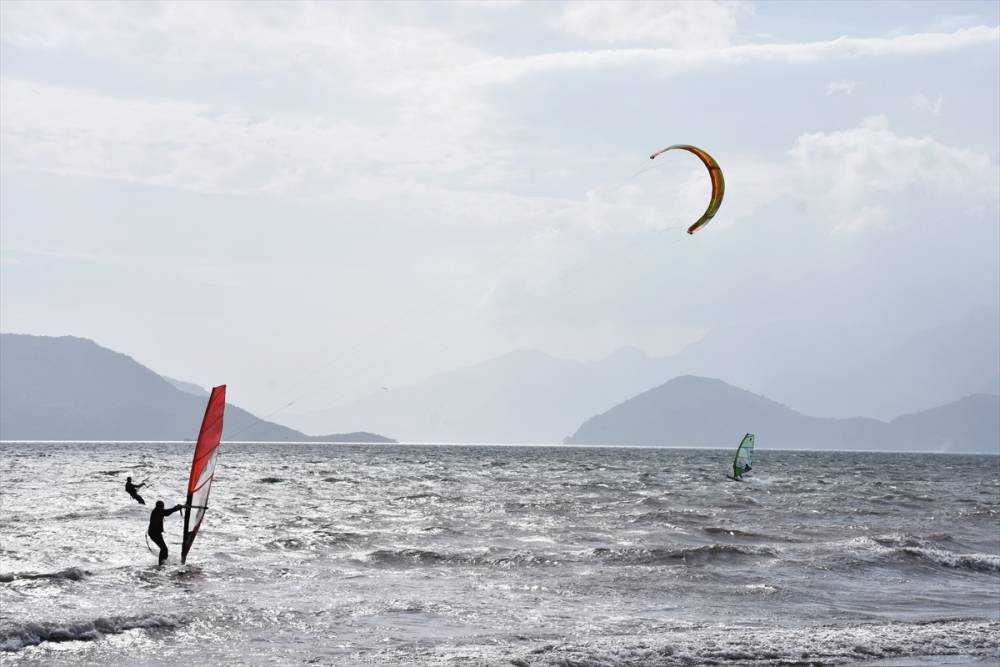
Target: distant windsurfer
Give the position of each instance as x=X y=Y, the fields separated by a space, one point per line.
x=133 y=490
x=743 y=458
x=155 y=530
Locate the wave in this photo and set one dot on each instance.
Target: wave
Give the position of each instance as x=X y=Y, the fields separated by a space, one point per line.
x=670 y=516
x=335 y=480
x=426 y=496
x=270 y=480
x=974 y=561
x=746 y=534
x=22 y=635
x=518 y=559
x=642 y=556
x=335 y=537
x=766 y=645
x=317 y=538
x=719 y=530
x=69 y=574
x=925 y=551
x=288 y=544
x=513 y=558
x=407 y=557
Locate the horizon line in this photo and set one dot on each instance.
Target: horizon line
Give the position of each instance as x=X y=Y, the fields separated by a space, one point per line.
x=488 y=444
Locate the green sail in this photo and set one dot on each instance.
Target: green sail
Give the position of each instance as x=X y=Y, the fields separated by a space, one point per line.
x=744 y=456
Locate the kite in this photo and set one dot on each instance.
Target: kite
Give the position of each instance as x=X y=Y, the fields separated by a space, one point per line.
x=718 y=183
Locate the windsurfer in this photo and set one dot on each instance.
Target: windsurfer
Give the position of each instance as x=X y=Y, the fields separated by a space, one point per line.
x=744 y=455
x=155 y=530
x=133 y=490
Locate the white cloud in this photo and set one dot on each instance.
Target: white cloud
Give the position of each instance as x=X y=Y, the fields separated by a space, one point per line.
x=855 y=175
x=933 y=107
x=674 y=61
x=387 y=49
x=872 y=158
x=311 y=159
x=422 y=92
x=853 y=171
x=845 y=87
x=205 y=148
x=865 y=218
x=677 y=24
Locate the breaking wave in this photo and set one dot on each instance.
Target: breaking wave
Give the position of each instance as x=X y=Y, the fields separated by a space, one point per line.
x=409 y=557
x=944 y=558
x=642 y=556
x=69 y=574
x=21 y=635
x=923 y=551
x=798 y=646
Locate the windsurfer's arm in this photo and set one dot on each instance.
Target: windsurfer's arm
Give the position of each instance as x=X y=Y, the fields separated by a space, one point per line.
x=174 y=509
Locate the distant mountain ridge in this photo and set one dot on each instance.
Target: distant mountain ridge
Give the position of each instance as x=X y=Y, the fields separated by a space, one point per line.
x=823 y=369
x=831 y=369
x=70 y=388
x=524 y=396
x=690 y=411
x=73 y=389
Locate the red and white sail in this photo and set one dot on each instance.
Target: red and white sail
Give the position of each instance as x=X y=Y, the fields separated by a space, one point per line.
x=206 y=453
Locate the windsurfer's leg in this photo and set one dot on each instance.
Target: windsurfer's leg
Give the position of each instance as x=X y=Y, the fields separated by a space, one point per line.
x=138 y=498
x=158 y=540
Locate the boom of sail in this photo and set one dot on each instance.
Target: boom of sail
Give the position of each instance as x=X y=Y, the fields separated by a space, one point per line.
x=206 y=453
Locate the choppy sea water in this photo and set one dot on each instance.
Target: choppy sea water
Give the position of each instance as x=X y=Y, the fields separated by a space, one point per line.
x=355 y=555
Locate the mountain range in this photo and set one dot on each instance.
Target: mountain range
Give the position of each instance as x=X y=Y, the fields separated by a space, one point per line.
x=71 y=388
x=520 y=397
x=823 y=369
x=693 y=411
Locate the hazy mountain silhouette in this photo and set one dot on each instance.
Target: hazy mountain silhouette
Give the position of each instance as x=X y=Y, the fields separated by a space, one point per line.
x=833 y=370
x=521 y=397
x=695 y=411
x=73 y=389
x=822 y=369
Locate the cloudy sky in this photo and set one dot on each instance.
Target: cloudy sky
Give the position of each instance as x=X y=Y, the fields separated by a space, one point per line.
x=315 y=200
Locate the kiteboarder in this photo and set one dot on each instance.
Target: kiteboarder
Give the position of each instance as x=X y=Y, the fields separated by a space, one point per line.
x=155 y=530
x=133 y=490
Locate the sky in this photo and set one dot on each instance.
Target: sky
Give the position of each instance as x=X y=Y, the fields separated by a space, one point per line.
x=309 y=201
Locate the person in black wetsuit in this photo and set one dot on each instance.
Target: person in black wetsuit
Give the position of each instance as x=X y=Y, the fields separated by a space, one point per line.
x=133 y=490
x=155 y=530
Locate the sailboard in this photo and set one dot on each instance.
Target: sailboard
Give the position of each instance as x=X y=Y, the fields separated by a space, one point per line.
x=743 y=458
x=206 y=453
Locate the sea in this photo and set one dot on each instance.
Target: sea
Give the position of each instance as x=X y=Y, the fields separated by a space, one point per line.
x=316 y=554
